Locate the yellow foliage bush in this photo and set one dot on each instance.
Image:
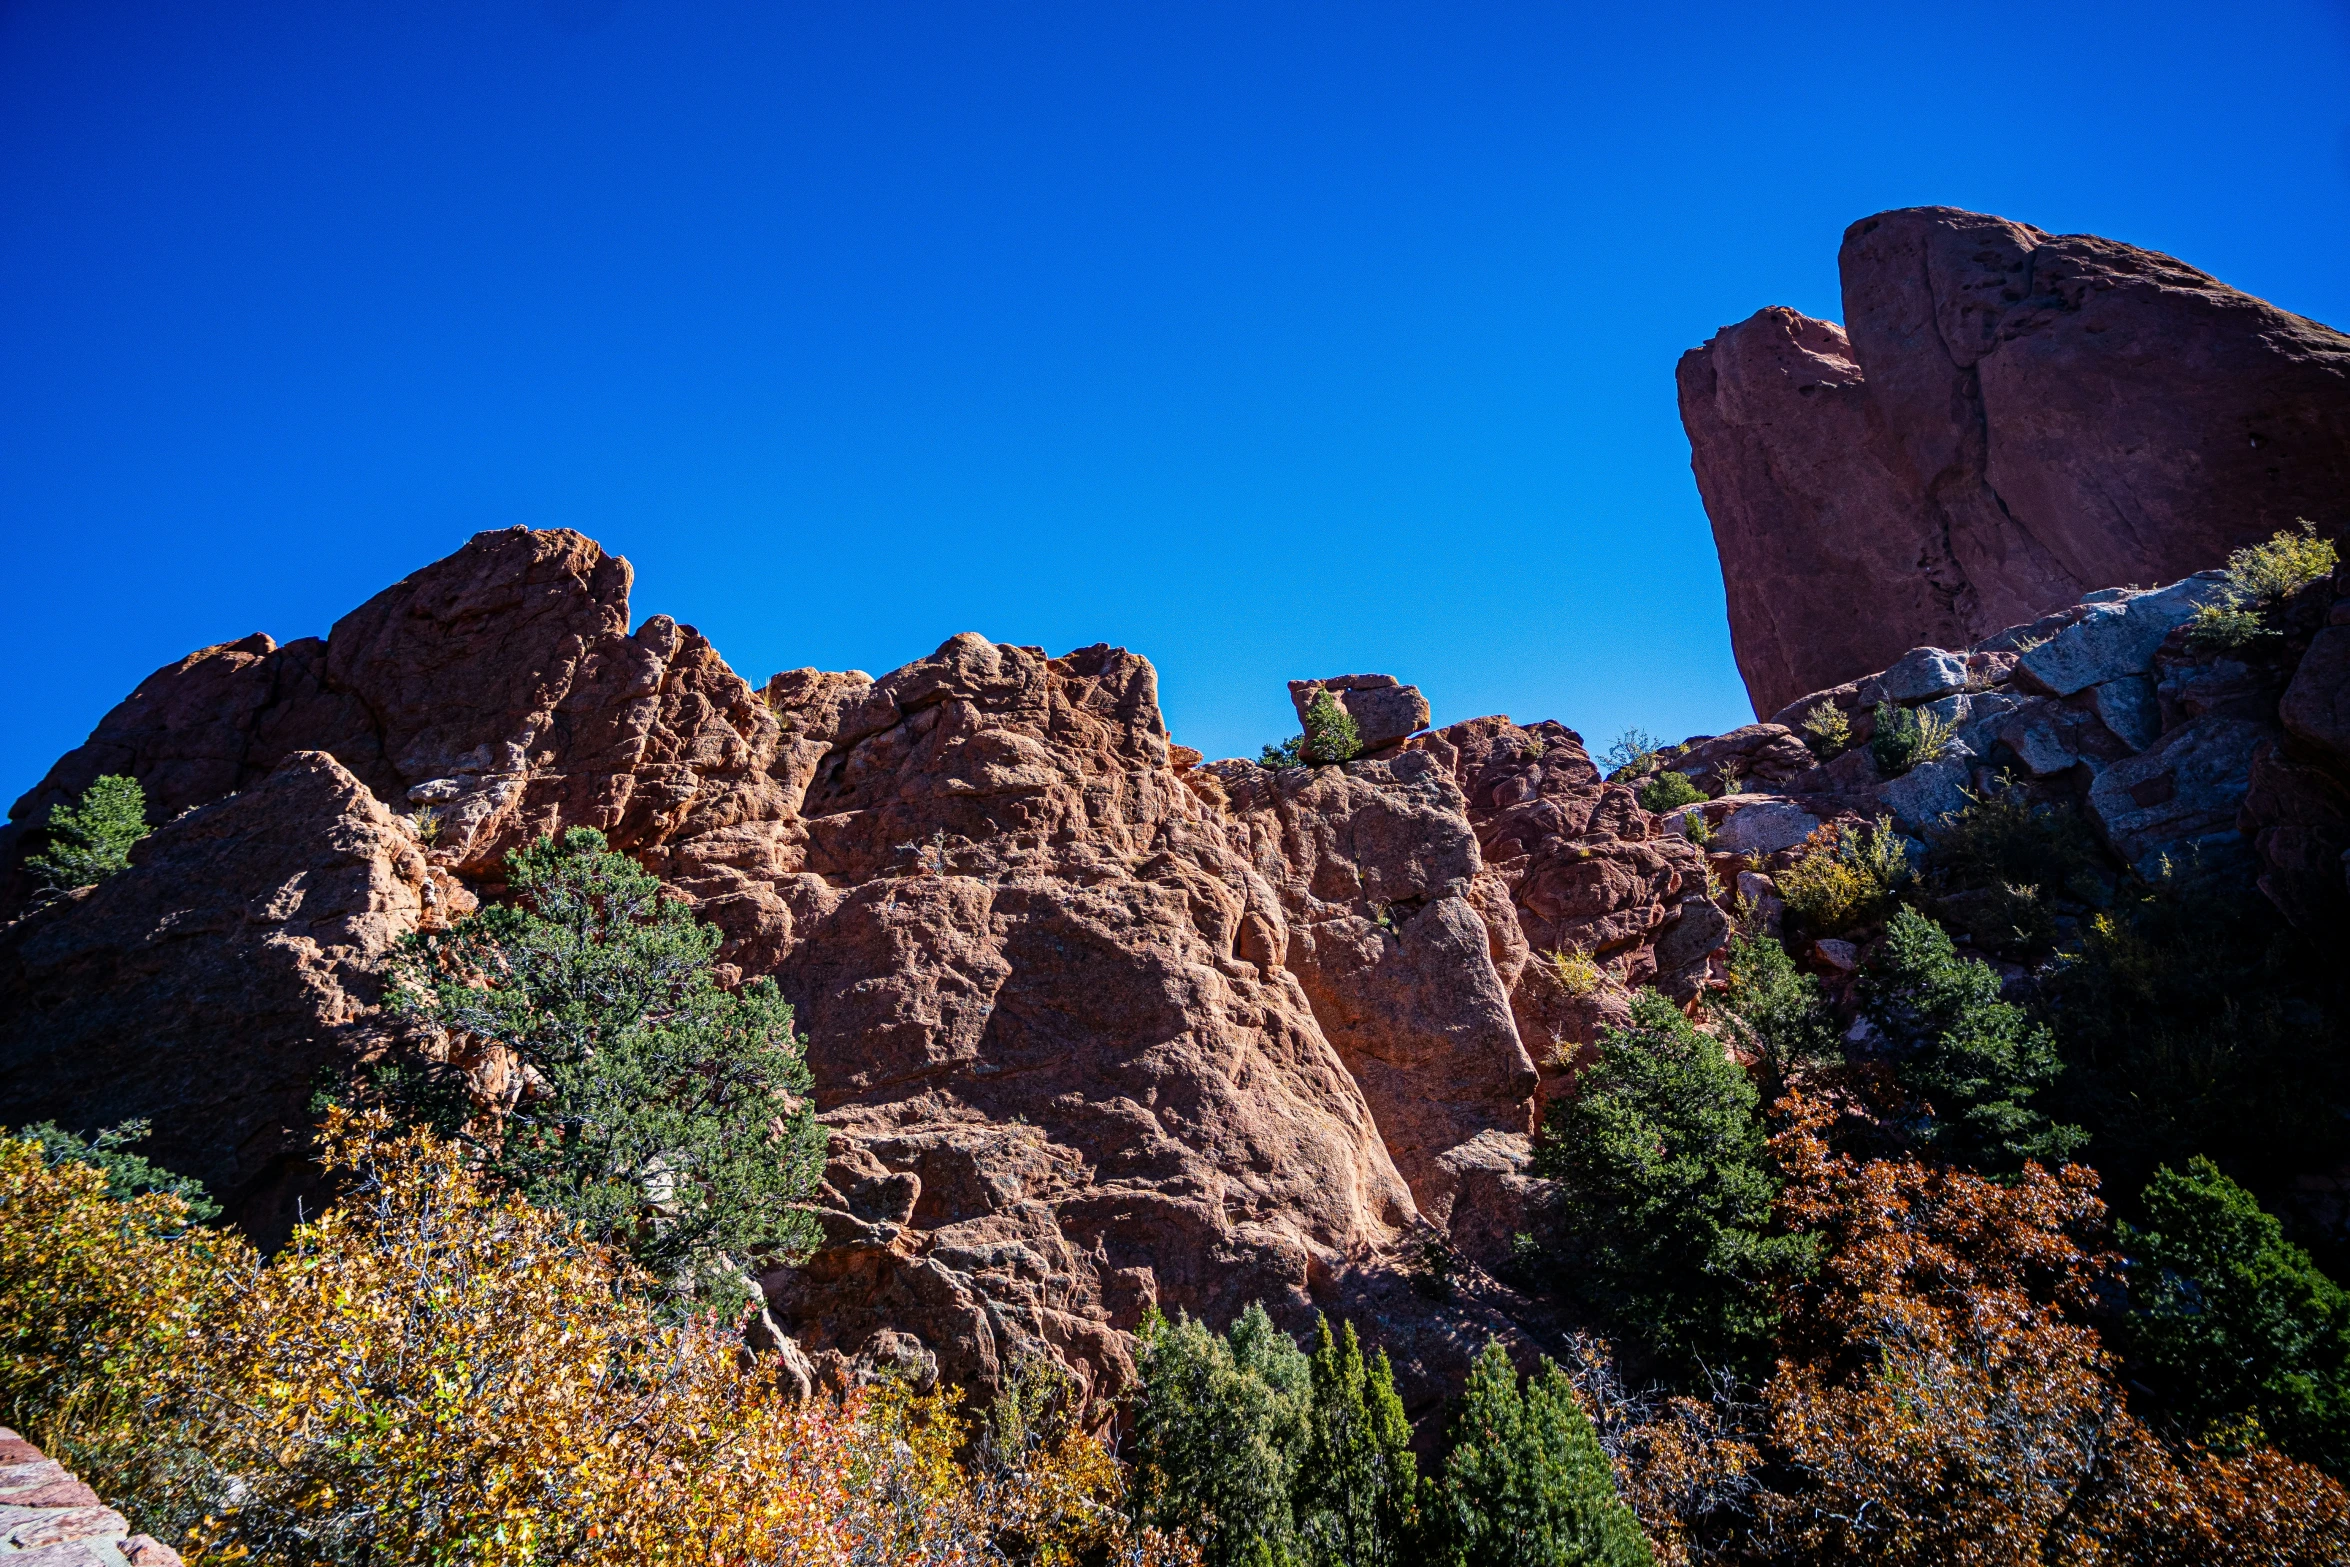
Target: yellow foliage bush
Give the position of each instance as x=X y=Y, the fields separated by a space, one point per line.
x=1579 y=974
x=436 y=1373
x=1840 y=880
x=2282 y=566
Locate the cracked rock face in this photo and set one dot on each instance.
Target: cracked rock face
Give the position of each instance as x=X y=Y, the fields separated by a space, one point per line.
x=2005 y=421
x=1096 y=1027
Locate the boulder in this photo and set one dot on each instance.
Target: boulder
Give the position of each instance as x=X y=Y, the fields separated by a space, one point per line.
x=1757 y=754
x=1762 y=826
x=2177 y=802
x=1383 y=708
x=1919 y=675
x=2006 y=420
x=1920 y=798
x=2118 y=636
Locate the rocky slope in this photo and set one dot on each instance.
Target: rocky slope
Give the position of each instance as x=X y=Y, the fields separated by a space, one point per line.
x=1096 y=1026
x=2005 y=420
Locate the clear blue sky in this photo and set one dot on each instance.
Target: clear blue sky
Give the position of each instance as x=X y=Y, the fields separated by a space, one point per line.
x=1269 y=339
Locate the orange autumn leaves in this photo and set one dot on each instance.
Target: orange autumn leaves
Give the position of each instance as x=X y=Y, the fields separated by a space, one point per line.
x=1944 y=1398
x=433 y=1373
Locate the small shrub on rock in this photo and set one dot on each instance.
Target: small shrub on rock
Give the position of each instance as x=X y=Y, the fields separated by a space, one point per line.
x=2283 y=565
x=1578 y=973
x=1842 y=879
x=1332 y=736
x=1635 y=754
x=1669 y=790
x=1906 y=737
x=1827 y=731
x=91 y=839
x=2258 y=577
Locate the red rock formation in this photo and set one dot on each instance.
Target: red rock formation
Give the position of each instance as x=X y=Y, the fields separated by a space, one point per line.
x=2015 y=418
x=1096 y=1027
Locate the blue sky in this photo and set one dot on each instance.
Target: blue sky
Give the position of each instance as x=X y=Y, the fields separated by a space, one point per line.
x=1269 y=340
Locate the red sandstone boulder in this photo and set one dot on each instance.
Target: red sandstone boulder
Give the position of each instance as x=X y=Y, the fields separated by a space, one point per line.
x=2006 y=420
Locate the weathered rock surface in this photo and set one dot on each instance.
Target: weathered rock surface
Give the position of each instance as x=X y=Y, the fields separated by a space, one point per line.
x=51 y=1519
x=209 y=986
x=2006 y=421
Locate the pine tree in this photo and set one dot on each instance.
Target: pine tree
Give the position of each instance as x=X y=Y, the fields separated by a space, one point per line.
x=669 y=1115
x=1526 y=1484
x=1977 y=1060
x=1665 y=1192
x=1355 y=1487
x=2232 y=1319
x=91 y=839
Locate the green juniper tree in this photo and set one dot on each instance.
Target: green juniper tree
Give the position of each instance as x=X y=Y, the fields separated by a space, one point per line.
x=669 y=1115
x=91 y=839
x=1774 y=1010
x=1974 y=1059
x=1665 y=1192
x=1526 y=1484
x=2231 y=1319
x=1356 y=1484
x=1219 y=1428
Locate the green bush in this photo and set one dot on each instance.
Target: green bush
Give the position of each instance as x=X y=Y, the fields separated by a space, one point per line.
x=2223 y=628
x=1634 y=754
x=90 y=840
x=1665 y=1193
x=1526 y=1484
x=2258 y=576
x=128 y=1175
x=2005 y=837
x=1827 y=731
x=1974 y=1060
x=1667 y=791
x=1220 y=1425
x=2282 y=566
x=1775 y=1011
x=1905 y=737
x=1842 y=879
x=2232 y=1320
x=670 y=1116
x=1331 y=736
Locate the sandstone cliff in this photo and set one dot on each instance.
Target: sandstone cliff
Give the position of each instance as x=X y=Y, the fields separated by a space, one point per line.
x=2006 y=420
